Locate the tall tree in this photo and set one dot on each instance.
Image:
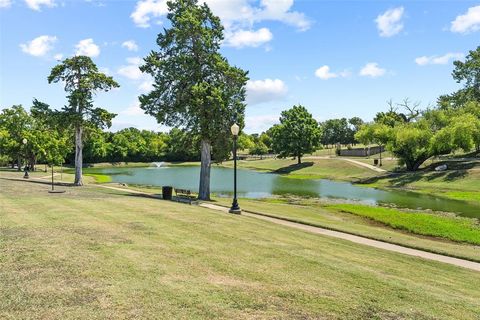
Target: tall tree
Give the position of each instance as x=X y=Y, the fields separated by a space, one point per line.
x=194 y=86
x=377 y=133
x=82 y=80
x=297 y=134
x=48 y=140
x=16 y=122
x=468 y=73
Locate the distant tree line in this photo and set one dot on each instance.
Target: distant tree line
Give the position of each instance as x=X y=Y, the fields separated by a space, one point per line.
x=413 y=135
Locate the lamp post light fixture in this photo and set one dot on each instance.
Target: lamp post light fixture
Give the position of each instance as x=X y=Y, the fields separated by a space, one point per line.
x=25 y=176
x=235 y=207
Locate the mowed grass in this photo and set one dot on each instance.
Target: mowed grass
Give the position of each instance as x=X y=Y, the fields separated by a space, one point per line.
x=459 y=184
x=310 y=168
x=317 y=213
x=448 y=227
x=93 y=253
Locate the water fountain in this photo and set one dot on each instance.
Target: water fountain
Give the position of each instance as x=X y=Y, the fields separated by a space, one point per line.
x=157 y=164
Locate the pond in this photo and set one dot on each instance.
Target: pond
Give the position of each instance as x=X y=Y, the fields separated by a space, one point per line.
x=253 y=184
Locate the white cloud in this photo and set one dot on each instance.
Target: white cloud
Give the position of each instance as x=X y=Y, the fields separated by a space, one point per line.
x=130 y=45
x=132 y=71
x=87 y=48
x=39 y=46
x=5 y=3
x=324 y=73
x=468 y=22
x=260 y=123
x=37 y=4
x=259 y=91
x=372 y=70
x=146 y=85
x=133 y=110
x=146 y=9
x=425 y=60
x=280 y=10
x=238 y=16
x=246 y=38
x=58 y=56
x=390 y=22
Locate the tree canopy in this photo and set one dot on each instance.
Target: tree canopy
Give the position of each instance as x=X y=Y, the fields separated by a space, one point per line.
x=82 y=80
x=297 y=134
x=195 y=87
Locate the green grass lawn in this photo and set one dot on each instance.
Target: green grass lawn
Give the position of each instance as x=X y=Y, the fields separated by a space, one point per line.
x=448 y=227
x=462 y=182
x=309 y=169
x=325 y=215
x=92 y=253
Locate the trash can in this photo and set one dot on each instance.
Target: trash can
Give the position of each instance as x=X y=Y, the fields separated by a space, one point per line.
x=167 y=193
x=375 y=162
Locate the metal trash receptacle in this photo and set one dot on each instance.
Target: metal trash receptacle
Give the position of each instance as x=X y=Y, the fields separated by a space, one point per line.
x=167 y=192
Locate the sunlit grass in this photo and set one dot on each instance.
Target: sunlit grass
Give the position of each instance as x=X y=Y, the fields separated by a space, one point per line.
x=93 y=253
x=448 y=227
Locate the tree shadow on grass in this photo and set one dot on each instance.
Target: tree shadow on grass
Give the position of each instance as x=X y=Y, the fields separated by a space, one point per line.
x=293 y=167
x=62 y=184
x=401 y=179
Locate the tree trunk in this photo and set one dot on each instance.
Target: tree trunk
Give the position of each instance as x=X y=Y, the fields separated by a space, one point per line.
x=78 y=156
x=299 y=159
x=413 y=164
x=33 y=163
x=204 y=189
x=19 y=163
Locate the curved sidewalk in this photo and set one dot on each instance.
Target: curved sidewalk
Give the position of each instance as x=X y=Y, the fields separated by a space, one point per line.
x=357 y=239
x=336 y=234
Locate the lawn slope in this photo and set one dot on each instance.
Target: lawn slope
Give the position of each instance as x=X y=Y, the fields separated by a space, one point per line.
x=94 y=253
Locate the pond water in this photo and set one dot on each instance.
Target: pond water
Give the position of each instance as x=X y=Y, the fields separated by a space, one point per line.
x=253 y=184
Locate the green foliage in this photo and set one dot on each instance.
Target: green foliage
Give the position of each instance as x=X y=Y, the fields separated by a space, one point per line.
x=259 y=148
x=245 y=142
x=336 y=131
x=411 y=144
x=451 y=228
x=468 y=73
x=195 y=87
x=297 y=134
x=182 y=146
x=46 y=140
x=15 y=123
x=377 y=133
x=82 y=80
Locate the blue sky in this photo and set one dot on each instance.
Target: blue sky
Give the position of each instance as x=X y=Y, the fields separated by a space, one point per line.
x=337 y=58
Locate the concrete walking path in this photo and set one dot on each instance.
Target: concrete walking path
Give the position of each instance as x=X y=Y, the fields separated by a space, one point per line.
x=357 y=239
x=330 y=233
x=366 y=165
x=362 y=164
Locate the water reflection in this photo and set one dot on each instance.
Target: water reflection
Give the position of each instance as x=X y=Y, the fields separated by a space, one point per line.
x=252 y=184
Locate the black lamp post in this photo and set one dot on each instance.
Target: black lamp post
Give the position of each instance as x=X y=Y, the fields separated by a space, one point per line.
x=235 y=207
x=25 y=176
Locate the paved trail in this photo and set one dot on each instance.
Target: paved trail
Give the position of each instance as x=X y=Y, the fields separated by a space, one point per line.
x=366 y=165
x=336 y=234
x=362 y=164
x=357 y=239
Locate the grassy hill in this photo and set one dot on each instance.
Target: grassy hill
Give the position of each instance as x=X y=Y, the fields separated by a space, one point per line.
x=95 y=253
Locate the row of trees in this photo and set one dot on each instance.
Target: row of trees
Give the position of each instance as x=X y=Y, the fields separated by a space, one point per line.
x=49 y=141
x=196 y=89
x=415 y=136
x=32 y=137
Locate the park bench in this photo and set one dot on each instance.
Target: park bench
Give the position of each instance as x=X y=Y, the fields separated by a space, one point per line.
x=184 y=195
